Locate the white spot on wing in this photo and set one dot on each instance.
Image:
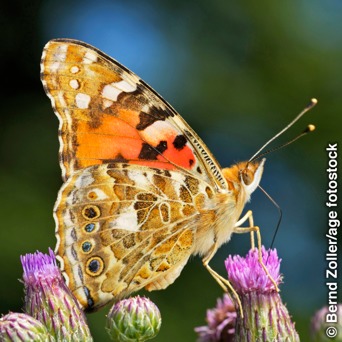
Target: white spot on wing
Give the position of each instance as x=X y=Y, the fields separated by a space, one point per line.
x=106 y=103
x=84 y=180
x=125 y=86
x=90 y=57
x=74 y=84
x=101 y=195
x=178 y=177
x=74 y=70
x=158 y=131
x=139 y=179
x=82 y=100
x=127 y=221
x=112 y=91
x=145 y=108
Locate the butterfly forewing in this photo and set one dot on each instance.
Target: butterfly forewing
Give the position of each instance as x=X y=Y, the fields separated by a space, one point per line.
x=107 y=114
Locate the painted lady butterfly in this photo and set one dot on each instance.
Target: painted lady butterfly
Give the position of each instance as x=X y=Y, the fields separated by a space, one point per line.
x=142 y=192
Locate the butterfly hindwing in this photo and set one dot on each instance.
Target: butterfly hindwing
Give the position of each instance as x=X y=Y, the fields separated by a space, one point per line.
x=123 y=227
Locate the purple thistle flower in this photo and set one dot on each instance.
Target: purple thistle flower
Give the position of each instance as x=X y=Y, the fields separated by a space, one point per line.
x=247 y=275
x=133 y=319
x=265 y=316
x=49 y=300
x=21 y=327
x=221 y=322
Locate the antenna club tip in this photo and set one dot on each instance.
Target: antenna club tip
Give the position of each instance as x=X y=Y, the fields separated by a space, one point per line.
x=310 y=128
x=313 y=101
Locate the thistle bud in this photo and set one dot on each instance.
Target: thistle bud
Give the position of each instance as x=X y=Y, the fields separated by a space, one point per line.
x=19 y=327
x=133 y=319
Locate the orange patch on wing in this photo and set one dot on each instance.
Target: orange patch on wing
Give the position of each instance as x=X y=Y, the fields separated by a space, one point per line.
x=112 y=138
x=131 y=117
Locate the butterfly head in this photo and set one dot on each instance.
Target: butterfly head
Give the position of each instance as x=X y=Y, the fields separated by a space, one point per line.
x=244 y=177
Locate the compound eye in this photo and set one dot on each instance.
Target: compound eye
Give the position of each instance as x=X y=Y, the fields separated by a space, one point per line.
x=247 y=176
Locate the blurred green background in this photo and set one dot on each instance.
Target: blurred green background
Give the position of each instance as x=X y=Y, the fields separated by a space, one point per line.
x=238 y=72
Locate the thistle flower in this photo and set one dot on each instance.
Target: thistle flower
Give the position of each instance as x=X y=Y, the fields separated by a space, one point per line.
x=20 y=327
x=49 y=300
x=133 y=319
x=265 y=316
x=221 y=322
x=247 y=275
x=323 y=330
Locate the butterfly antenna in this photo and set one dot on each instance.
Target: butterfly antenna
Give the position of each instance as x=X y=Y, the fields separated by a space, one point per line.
x=309 y=129
x=279 y=211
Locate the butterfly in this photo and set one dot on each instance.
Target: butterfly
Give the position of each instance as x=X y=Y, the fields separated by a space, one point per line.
x=142 y=192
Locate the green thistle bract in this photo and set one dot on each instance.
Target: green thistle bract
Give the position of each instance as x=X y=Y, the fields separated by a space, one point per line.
x=133 y=319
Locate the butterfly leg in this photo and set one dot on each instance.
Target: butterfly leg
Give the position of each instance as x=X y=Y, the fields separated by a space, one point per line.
x=224 y=283
x=253 y=229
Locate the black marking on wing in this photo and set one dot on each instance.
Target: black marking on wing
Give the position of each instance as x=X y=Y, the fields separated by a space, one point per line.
x=118 y=159
x=90 y=301
x=149 y=152
x=179 y=142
